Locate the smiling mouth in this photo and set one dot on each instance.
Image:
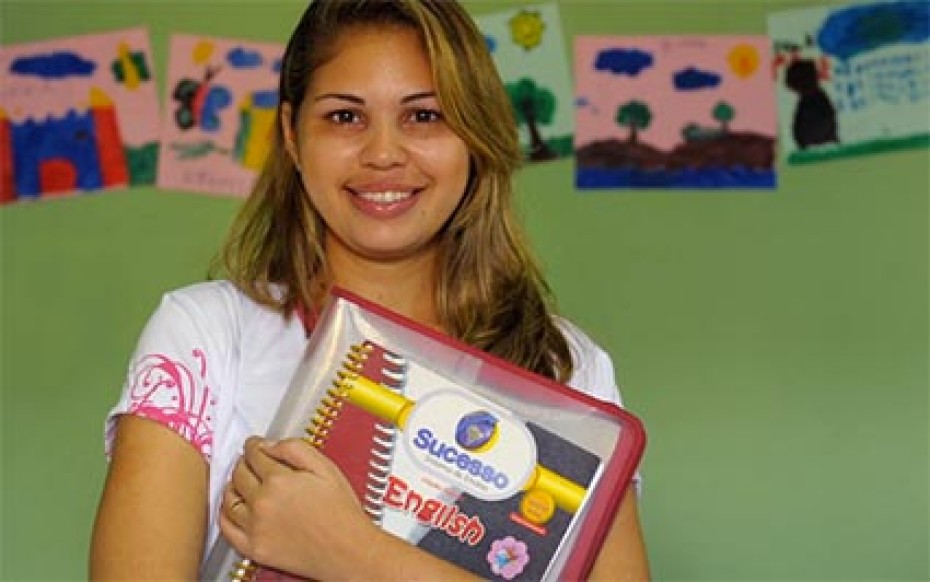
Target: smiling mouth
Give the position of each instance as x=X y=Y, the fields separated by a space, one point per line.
x=386 y=196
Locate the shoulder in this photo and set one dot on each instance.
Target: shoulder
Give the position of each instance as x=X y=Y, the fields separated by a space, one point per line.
x=201 y=309
x=217 y=311
x=209 y=296
x=214 y=301
x=593 y=369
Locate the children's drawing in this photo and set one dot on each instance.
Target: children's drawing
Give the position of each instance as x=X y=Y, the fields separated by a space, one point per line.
x=77 y=114
x=852 y=79
x=528 y=48
x=219 y=113
x=674 y=112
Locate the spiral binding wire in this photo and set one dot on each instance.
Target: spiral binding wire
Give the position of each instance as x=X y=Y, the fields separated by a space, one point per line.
x=393 y=375
x=316 y=432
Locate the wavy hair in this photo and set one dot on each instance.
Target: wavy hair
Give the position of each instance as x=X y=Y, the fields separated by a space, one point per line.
x=490 y=293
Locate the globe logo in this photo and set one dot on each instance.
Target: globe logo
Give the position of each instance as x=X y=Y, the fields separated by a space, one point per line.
x=477 y=431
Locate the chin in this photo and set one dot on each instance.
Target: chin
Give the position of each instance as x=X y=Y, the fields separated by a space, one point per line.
x=388 y=252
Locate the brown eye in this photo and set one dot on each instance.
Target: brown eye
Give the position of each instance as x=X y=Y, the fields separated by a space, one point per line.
x=426 y=116
x=343 y=117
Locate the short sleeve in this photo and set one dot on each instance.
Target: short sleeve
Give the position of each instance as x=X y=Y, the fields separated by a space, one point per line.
x=593 y=372
x=170 y=375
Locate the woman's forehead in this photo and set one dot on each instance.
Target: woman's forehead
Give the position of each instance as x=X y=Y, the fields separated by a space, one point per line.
x=376 y=55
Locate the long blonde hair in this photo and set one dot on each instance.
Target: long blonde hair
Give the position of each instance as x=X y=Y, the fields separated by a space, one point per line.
x=491 y=292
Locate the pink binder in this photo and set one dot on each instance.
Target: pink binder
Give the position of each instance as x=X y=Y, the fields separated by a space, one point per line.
x=506 y=473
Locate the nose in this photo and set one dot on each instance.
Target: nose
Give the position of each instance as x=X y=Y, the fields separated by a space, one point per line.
x=384 y=146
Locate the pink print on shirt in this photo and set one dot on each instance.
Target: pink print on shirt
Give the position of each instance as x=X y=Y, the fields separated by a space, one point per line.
x=166 y=391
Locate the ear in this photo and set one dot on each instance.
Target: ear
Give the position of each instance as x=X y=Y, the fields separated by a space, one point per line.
x=287 y=129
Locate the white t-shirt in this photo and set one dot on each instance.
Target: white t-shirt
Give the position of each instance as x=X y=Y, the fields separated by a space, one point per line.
x=213 y=365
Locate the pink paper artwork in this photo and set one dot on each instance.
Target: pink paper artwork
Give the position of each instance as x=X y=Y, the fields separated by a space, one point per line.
x=218 y=114
x=77 y=114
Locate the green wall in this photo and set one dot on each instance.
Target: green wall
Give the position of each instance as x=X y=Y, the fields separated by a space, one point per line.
x=774 y=343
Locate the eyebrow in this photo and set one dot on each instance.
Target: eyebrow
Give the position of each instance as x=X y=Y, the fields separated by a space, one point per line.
x=418 y=96
x=359 y=101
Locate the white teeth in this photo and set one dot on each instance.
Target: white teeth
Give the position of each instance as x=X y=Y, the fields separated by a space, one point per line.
x=385 y=197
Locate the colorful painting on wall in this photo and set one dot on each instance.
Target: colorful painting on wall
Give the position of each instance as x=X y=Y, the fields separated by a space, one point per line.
x=852 y=79
x=219 y=113
x=690 y=112
x=77 y=114
x=528 y=48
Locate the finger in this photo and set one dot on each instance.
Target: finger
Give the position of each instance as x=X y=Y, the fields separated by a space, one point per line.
x=244 y=480
x=234 y=507
x=234 y=534
x=259 y=462
x=298 y=454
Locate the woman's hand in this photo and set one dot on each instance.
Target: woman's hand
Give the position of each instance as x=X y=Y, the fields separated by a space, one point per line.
x=289 y=507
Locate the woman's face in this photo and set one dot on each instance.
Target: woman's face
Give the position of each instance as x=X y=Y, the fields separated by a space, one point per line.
x=377 y=158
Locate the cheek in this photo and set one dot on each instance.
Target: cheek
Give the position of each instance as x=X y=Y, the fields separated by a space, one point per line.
x=450 y=164
x=318 y=165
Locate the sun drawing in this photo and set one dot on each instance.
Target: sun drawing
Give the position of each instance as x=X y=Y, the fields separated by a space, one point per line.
x=744 y=60
x=527 y=28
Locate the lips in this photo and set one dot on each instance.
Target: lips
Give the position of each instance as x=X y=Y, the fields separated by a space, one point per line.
x=384 y=201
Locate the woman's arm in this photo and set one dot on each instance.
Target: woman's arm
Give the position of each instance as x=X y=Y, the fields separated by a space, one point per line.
x=152 y=516
x=623 y=555
x=277 y=489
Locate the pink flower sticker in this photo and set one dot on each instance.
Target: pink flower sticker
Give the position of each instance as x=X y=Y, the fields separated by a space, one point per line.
x=508 y=557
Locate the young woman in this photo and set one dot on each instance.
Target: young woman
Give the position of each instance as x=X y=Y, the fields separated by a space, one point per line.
x=390 y=176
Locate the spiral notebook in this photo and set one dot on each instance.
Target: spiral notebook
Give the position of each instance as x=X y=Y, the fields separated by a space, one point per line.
x=503 y=472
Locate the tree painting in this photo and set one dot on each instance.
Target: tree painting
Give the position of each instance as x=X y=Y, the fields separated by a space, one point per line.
x=724 y=113
x=533 y=105
x=528 y=48
x=656 y=112
x=635 y=115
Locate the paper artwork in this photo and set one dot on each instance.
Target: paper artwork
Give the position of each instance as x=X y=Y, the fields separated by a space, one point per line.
x=218 y=114
x=77 y=114
x=852 y=79
x=528 y=48
x=674 y=112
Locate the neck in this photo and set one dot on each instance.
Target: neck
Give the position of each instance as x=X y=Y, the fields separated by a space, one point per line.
x=405 y=287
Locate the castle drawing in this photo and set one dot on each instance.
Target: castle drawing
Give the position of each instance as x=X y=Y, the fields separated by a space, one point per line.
x=81 y=150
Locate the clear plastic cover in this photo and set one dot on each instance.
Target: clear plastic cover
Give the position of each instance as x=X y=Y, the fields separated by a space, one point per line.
x=503 y=472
